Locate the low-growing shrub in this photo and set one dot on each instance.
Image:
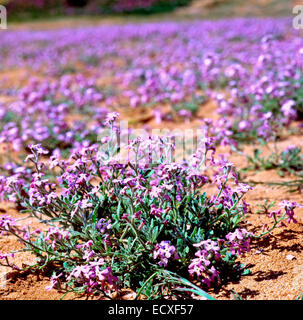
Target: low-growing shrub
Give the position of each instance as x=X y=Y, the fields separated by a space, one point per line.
x=136 y=224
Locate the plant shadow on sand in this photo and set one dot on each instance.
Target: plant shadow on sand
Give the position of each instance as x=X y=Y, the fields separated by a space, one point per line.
x=279 y=242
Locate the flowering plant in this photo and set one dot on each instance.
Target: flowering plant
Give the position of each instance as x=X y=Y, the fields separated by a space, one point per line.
x=114 y=225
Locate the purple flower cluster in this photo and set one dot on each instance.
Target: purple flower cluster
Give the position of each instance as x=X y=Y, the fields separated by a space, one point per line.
x=44 y=112
x=202 y=266
x=91 y=276
x=55 y=235
x=289 y=207
x=173 y=61
x=210 y=255
x=6 y=224
x=238 y=241
x=164 y=251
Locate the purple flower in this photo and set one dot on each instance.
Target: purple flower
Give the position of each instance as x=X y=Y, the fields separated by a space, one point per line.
x=92 y=276
x=244 y=125
x=289 y=207
x=202 y=266
x=7 y=223
x=165 y=251
x=111 y=118
x=288 y=110
x=104 y=225
x=54 y=281
x=238 y=241
x=38 y=149
x=185 y=113
x=242 y=188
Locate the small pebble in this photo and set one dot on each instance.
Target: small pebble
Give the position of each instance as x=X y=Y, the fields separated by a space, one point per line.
x=290 y=257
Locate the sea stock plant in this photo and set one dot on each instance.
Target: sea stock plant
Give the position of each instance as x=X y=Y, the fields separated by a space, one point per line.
x=149 y=226
x=119 y=216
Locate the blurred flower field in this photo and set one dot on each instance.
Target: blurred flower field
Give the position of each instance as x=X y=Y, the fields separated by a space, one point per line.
x=104 y=211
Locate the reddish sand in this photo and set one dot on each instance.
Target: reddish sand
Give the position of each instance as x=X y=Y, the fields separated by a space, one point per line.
x=275 y=262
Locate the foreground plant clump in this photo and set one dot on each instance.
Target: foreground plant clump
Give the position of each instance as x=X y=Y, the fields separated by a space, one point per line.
x=134 y=224
x=119 y=218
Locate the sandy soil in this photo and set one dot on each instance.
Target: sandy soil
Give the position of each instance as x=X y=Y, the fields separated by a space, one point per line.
x=275 y=262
